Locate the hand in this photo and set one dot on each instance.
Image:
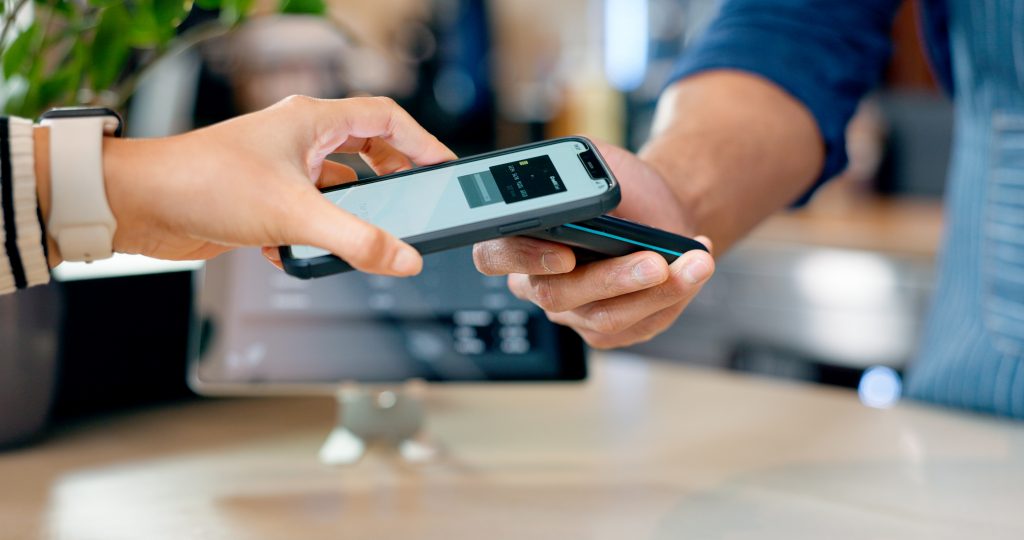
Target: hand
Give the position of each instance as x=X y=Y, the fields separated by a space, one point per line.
x=251 y=181
x=614 y=302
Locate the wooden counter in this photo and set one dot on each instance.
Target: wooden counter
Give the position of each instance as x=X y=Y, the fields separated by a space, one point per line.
x=643 y=450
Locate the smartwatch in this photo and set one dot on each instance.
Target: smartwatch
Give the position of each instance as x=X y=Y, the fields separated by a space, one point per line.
x=80 y=221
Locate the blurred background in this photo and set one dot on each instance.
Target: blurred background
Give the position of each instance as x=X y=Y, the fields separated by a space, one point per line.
x=822 y=293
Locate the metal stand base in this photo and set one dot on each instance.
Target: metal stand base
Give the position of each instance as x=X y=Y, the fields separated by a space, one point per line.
x=389 y=416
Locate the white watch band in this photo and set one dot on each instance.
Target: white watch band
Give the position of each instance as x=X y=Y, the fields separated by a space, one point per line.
x=80 y=219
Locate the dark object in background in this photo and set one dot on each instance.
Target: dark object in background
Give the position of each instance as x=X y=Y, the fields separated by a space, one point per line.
x=920 y=136
x=124 y=342
x=787 y=364
x=29 y=323
x=450 y=323
x=454 y=97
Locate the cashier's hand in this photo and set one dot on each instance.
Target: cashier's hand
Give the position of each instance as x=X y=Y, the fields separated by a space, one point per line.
x=614 y=302
x=251 y=181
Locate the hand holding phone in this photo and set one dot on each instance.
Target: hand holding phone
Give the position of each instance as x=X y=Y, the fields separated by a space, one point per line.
x=514 y=191
x=616 y=301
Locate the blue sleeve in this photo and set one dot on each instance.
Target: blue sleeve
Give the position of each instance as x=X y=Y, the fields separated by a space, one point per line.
x=825 y=53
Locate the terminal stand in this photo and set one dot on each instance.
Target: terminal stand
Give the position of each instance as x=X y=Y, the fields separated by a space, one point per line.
x=386 y=416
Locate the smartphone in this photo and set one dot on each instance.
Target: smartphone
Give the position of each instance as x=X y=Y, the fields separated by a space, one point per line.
x=606 y=236
x=527 y=188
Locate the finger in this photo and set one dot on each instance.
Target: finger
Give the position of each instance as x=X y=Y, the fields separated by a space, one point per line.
x=622 y=162
x=707 y=243
x=381 y=117
x=334 y=173
x=382 y=157
x=377 y=153
x=592 y=282
x=639 y=333
x=522 y=255
x=621 y=313
x=273 y=255
x=616 y=157
x=367 y=248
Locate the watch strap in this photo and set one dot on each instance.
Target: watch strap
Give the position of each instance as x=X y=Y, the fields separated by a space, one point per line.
x=80 y=221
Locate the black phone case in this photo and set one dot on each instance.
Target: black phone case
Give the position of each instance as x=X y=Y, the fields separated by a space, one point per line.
x=465 y=235
x=606 y=236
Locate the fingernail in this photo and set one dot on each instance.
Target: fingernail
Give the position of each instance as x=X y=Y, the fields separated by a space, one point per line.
x=407 y=261
x=647 y=272
x=552 y=263
x=696 y=269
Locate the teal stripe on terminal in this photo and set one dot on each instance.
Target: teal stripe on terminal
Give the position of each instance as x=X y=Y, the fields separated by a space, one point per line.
x=627 y=240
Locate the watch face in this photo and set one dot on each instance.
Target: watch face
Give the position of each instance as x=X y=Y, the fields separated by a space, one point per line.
x=84 y=112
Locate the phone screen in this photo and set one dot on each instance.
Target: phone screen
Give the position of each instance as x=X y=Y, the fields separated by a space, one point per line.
x=468 y=192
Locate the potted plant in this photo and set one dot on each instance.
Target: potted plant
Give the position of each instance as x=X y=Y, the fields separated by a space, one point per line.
x=83 y=52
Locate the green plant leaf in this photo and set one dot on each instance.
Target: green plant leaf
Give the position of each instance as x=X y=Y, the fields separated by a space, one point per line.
x=31 y=104
x=18 y=52
x=59 y=86
x=170 y=13
x=55 y=90
x=64 y=7
x=110 y=47
x=209 y=5
x=309 y=7
x=145 y=31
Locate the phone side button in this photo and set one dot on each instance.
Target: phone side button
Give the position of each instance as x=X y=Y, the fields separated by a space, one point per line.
x=519 y=226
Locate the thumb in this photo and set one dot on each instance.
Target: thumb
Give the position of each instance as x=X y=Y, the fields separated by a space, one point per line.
x=367 y=248
x=616 y=157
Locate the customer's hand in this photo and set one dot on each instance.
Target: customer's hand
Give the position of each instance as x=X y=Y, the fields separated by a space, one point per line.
x=251 y=181
x=615 y=302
